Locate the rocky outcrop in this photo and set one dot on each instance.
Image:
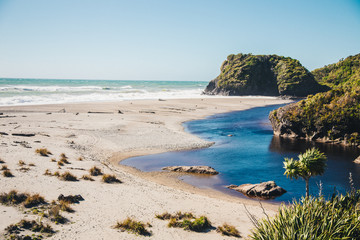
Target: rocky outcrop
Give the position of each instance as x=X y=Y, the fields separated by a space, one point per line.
x=332 y=116
x=270 y=75
x=357 y=160
x=192 y=169
x=263 y=190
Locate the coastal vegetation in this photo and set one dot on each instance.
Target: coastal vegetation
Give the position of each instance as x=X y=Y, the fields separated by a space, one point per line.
x=43 y=152
x=108 y=178
x=333 y=116
x=133 y=226
x=15 y=198
x=228 y=230
x=310 y=163
x=271 y=75
x=7 y=173
x=313 y=218
x=95 y=171
x=187 y=221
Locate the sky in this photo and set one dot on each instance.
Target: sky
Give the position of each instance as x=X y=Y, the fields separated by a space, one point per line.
x=168 y=39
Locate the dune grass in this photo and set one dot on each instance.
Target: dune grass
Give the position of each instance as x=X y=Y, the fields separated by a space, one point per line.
x=43 y=152
x=228 y=230
x=133 y=226
x=107 y=178
x=87 y=177
x=34 y=200
x=95 y=171
x=7 y=173
x=33 y=226
x=186 y=221
x=314 y=218
x=67 y=176
x=4 y=167
x=15 y=198
x=21 y=163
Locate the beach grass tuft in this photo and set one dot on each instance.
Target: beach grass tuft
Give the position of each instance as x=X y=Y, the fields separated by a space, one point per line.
x=228 y=230
x=12 y=198
x=7 y=173
x=87 y=177
x=4 y=167
x=133 y=226
x=67 y=176
x=55 y=216
x=43 y=152
x=95 y=171
x=186 y=221
x=65 y=206
x=34 y=200
x=2 y=161
x=21 y=163
x=107 y=178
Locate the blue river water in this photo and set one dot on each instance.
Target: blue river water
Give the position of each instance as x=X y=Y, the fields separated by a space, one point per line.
x=253 y=155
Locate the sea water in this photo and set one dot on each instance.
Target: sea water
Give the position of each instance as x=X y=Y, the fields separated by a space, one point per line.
x=50 y=91
x=245 y=151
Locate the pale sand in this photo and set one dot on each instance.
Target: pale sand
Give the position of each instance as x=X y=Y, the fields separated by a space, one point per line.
x=103 y=139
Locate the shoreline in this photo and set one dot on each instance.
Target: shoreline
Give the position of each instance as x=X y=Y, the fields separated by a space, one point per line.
x=103 y=136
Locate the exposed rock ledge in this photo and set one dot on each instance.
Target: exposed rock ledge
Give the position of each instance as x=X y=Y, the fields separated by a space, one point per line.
x=192 y=169
x=263 y=190
x=357 y=160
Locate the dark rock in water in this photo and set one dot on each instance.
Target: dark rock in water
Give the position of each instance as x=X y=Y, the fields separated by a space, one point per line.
x=269 y=75
x=71 y=198
x=263 y=190
x=192 y=169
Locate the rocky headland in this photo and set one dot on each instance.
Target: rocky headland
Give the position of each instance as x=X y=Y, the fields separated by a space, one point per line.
x=332 y=116
x=268 y=75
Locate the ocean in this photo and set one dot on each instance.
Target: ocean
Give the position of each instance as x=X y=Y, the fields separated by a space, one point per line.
x=253 y=155
x=51 y=91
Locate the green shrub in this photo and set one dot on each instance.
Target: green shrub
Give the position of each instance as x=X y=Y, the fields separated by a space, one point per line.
x=314 y=218
x=132 y=226
x=228 y=230
x=186 y=221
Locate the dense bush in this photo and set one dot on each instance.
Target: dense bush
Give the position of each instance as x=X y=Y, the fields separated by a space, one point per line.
x=314 y=218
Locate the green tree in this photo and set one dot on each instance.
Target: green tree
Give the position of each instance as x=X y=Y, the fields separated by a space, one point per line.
x=310 y=163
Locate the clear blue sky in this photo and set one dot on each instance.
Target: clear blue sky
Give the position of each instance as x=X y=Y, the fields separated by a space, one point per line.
x=168 y=39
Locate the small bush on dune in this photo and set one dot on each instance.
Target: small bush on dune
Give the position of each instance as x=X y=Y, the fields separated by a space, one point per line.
x=65 y=206
x=43 y=152
x=133 y=227
x=110 y=179
x=7 y=173
x=34 y=200
x=2 y=161
x=94 y=171
x=47 y=172
x=67 y=176
x=29 y=225
x=60 y=163
x=12 y=198
x=55 y=216
x=57 y=174
x=21 y=163
x=228 y=230
x=63 y=156
x=4 y=167
x=87 y=177
x=32 y=164
x=186 y=221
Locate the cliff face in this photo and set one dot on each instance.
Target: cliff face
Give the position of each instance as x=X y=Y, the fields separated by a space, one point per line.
x=333 y=116
x=269 y=75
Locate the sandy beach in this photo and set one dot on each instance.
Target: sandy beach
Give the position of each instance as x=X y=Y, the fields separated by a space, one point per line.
x=103 y=134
